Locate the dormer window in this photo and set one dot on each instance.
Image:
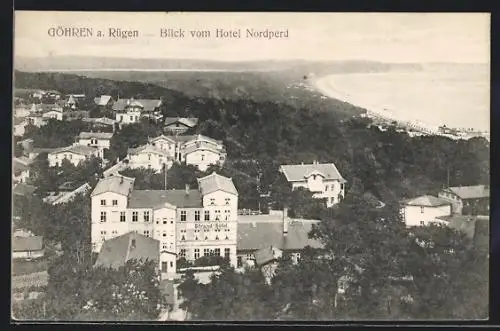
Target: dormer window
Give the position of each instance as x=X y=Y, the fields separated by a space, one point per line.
x=212 y=201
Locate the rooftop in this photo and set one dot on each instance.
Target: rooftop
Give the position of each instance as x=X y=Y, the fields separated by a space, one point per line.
x=202 y=146
x=266 y=255
x=148 y=149
x=215 y=182
x=300 y=172
x=102 y=100
x=76 y=149
x=462 y=223
x=145 y=104
x=187 y=121
x=21 y=244
x=23 y=189
x=116 y=183
x=426 y=201
x=158 y=198
x=470 y=192
x=132 y=245
x=257 y=235
x=96 y=135
x=18 y=166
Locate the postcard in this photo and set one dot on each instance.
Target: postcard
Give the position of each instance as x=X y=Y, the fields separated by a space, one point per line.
x=195 y=166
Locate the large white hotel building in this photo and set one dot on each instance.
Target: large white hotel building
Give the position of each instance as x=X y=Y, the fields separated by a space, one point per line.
x=188 y=223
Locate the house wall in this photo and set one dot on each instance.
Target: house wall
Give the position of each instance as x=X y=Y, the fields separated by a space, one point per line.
x=19 y=129
x=165 y=232
x=456 y=202
x=149 y=161
x=202 y=159
x=166 y=145
x=23 y=177
x=324 y=189
x=55 y=159
x=128 y=117
x=420 y=215
x=94 y=142
x=112 y=218
x=28 y=254
x=54 y=114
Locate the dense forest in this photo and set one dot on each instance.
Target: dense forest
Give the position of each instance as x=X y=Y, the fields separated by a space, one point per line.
x=371 y=246
x=389 y=164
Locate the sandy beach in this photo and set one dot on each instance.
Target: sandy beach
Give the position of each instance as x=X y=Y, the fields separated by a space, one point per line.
x=418 y=100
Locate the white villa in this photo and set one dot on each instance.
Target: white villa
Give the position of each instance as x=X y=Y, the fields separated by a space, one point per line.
x=149 y=157
x=101 y=140
x=75 y=154
x=197 y=150
x=425 y=209
x=323 y=179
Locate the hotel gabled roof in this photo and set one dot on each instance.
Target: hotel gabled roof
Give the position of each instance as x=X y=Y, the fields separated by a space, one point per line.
x=158 y=198
x=300 y=172
x=215 y=182
x=116 y=183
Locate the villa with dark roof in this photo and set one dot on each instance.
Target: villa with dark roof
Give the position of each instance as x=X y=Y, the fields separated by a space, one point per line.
x=197 y=150
x=468 y=200
x=423 y=210
x=323 y=179
x=74 y=154
x=179 y=125
x=260 y=232
x=188 y=223
x=101 y=140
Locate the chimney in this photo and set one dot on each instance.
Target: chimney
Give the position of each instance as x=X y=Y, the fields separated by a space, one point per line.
x=187 y=189
x=285 y=221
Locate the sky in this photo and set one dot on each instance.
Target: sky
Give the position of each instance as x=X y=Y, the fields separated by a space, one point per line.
x=385 y=37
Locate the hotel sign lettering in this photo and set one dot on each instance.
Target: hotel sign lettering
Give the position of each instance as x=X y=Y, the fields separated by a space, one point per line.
x=210 y=226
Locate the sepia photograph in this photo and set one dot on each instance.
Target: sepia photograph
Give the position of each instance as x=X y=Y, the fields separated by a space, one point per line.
x=196 y=166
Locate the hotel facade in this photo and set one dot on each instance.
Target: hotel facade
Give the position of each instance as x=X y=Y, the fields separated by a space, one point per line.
x=189 y=223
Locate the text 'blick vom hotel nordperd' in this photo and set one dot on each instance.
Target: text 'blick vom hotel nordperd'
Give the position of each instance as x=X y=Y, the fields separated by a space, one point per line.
x=167 y=33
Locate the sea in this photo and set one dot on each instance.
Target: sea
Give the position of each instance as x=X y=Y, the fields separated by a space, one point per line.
x=457 y=96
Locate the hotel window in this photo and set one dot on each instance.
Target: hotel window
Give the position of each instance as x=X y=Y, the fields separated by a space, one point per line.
x=216 y=237
x=164 y=234
x=149 y=157
x=250 y=256
x=341 y=186
x=103 y=233
x=227 y=252
x=197 y=215
x=71 y=156
x=217 y=251
x=122 y=216
x=183 y=216
x=131 y=118
x=227 y=214
x=422 y=209
x=146 y=233
x=103 y=216
x=203 y=157
x=326 y=188
x=182 y=253
x=207 y=215
x=206 y=252
x=135 y=216
x=146 y=216
x=227 y=200
x=183 y=238
x=332 y=200
x=422 y=223
x=212 y=201
x=103 y=202
x=115 y=202
x=217 y=215
x=164 y=246
x=164 y=221
x=196 y=253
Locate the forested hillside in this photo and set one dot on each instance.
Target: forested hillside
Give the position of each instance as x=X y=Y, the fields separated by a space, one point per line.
x=389 y=164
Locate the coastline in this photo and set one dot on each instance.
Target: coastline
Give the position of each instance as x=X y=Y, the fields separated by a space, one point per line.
x=384 y=116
